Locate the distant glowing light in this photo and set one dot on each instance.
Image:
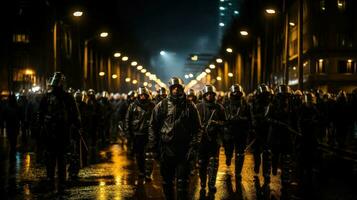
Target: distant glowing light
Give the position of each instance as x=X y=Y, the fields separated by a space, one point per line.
x=291 y=23
x=230 y=74
x=147 y=74
x=236 y=12
x=222 y=8
x=145 y=84
x=78 y=13
x=117 y=55
x=321 y=60
x=221 y=24
x=212 y=66
x=219 y=60
x=194 y=58
x=219 y=78
x=349 y=60
x=127 y=79
x=101 y=73
x=135 y=82
x=186 y=76
x=143 y=71
x=190 y=75
x=162 y=53
x=244 y=33
x=134 y=63
x=208 y=71
x=104 y=34
x=270 y=11
x=294 y=68
x=140 y=67
x=125 y=58
x=114 y=76
x=229 y=50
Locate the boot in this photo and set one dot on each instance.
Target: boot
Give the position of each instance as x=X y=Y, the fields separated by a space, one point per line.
x=212 y=174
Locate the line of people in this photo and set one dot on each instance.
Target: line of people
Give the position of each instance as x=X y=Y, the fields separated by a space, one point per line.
x=184 y=130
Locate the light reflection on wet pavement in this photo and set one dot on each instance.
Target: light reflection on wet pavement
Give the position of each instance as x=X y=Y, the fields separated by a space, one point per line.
x=113 y=176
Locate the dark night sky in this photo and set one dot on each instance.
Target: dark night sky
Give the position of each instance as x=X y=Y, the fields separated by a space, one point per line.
x=178 y=26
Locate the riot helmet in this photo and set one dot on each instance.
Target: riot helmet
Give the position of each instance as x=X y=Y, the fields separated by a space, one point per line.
x=236 y=91
x=78 y=96
x=57 y=80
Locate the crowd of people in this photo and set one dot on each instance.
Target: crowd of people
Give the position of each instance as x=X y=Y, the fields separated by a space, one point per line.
x=184 y=131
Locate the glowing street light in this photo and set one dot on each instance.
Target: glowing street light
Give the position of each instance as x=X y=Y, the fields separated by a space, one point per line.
x=114 y=76
x=125 y=58
x=244 y=33
x=230 y=74
x=208 y=71
x=101 y=73
x=145 y=84
x=104 y=34
x=190 y=75
x=212 y=66
x=186 y=76
x=143 y=71
x=229 y=50
x=291 y=23
x=194 y=58
x=135 y=82
x=127 y=79
x=147 y=74
x=219 y=78
x=78 y=13
x=349 y=60
x=140 y=67
x=134 y=63
x=270 y=11
x=162 y=53
x=117 y=55
x=219 y=60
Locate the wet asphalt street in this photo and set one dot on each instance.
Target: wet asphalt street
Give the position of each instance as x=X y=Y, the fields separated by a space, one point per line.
x=112 y=174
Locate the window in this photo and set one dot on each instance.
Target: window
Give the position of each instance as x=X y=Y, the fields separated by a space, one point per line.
x=341 y=5
x=322 y=5
x=351 y=66
x=321 y=66
x=20 y=38
x=342 y=66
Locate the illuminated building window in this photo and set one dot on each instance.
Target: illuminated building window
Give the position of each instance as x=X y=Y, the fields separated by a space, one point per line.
x=341 y=5
x=321 y=66
x=322 y=5
x=346 y=66
x=20 y=38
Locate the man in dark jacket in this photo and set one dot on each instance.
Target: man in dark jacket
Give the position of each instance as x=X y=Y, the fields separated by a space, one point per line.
x=175 y=134
x=238 y=125
x=212 y=117
x=57 y=113
x=137 y=127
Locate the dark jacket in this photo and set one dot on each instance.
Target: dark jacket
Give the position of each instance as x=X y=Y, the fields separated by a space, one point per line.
x=137 y=118
x=175 y=128
x=212 y=118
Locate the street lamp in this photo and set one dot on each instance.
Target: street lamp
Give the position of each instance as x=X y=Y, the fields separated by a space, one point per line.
x=134 y=63
x=114 y=76
x=104 y=34
x=78 y=13
x=125 y=58
x=270 y=11
x=219 y=60
x=219 y=78
x=143 y=71
x=194 y=58
x=212 y=66
x=243 y=33
x=140 y=67
x=292 y=24
x=208 y=71
x=127 y=79
x=117 y=55
x=101 y=73
x=162 y=53
x=229 y=50
x=230 y=74
x=186 y=76
x=190 y=75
